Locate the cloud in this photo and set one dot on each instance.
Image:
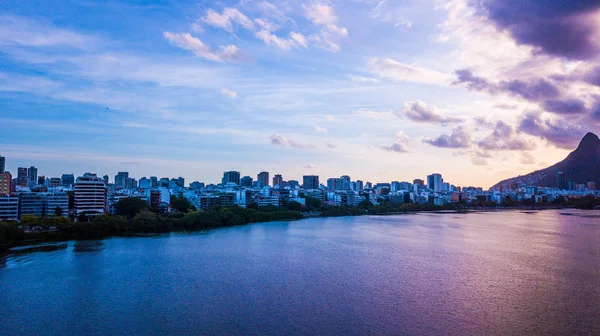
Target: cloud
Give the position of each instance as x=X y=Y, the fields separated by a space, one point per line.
x=330 y=35
x=229 y=93
x=504 y=137
x=15 y=30
x=395 y=147
x=419 y=111
x=506 y=106
x=459 y=138
x=295 y=40
x=311 y=166
x=402 y=72
x=188 y=42
x=330 y=145
x=329 y=117
x=532 y=90
x=361 y=79
x=399 y=145
x=560 y=28
x=319 y=14
x=280 y=140
x=320 y=129
x=375 y=115
x=478 y=161
x=266 y=24
x=568 y=106
x=227 y=18
x=527 y=158
x=561 y=133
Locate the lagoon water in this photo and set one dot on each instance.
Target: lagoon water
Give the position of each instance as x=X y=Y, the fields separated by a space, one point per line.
x=500 y=273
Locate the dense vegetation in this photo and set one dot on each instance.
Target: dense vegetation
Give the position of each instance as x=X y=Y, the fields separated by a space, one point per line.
x=134 y=216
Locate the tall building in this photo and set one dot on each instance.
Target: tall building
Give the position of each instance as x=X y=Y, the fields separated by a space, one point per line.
x=90 y=194
x=56 y=200
x=41 y=180
x=144 y=183
x=561 y=181
x=278 y=180
x=435 y=182
x=31 y=203
x=246 y=181
x=130 y=183
x=153 y=181
x=121 y=179
x=419 y=182
x=55 y=182
x=32 y=174
x=310 y=182
x=334 y=184
x=591 y=186
x=105 y=178
x=263 y=179
x=2 y=164
x=231 y=177
x=67 y=180
x=9 y=207
x=359 y=186
x=345 y=181
x=5 y=183
x=22 y=179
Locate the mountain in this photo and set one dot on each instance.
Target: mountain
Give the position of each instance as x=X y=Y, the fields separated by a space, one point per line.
x=581 y=166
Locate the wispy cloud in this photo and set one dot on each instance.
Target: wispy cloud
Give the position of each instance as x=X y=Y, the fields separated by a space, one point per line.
x=395 y=70
x=229 y=93
x=227 y=53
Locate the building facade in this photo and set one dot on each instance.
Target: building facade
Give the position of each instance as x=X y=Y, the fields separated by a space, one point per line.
x=9 y=207
x=310 y=182
x=231 y=177
x=263 y=179
x=90 y=195
x=5 y=183
x=277 y=180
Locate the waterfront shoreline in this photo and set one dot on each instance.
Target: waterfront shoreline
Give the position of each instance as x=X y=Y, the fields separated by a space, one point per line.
x=58 y=236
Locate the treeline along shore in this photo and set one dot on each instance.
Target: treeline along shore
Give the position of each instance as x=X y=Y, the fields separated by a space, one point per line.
x=133 y=216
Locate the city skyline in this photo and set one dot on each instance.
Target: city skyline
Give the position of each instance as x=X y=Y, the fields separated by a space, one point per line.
x=119 y=178
x=376 y=89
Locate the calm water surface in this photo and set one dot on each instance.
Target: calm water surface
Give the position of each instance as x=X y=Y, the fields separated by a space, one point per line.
x=505 y=273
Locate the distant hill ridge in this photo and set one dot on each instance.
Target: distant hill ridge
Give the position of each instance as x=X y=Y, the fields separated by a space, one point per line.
x=581 y=166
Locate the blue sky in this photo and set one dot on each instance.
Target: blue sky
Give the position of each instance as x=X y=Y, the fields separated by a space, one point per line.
x=365 y=88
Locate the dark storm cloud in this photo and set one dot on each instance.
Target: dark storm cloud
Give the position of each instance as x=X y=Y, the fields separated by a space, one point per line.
x=568 y=106
x=560 y=133
x=504 y=137
x=565 y=28
x=466 y=76
x=532 y=90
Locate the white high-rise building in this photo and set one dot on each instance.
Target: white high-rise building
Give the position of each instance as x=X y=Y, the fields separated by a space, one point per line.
x=90 y=194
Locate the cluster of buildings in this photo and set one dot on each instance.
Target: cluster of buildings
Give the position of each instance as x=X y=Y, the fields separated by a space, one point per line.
x=28 y=193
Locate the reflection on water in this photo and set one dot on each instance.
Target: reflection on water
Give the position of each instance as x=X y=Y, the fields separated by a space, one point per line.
x=88 y=246
x=48 y=247
x=487 y=273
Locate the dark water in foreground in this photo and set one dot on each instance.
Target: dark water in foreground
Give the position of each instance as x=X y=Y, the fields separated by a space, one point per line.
x=508 y=273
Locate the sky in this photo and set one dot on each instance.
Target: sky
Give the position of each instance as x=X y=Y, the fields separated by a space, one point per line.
x=379 y=90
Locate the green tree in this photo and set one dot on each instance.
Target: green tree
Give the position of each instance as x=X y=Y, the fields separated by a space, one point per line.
x=30 y=221
x=130 y=206
x=294 y=206
x=313 y=203
x=181 y=204
x=58 y=211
